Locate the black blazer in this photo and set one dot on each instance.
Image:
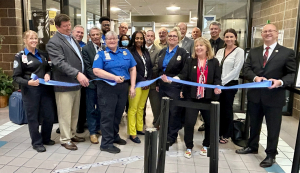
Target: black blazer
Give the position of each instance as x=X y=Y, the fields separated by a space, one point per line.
x=219 y=46
x=88 y=55
x=280 y=65
x=140 y=67
x=189 y=73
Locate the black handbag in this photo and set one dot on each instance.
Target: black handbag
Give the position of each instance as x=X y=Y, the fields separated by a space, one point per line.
x=238 y=129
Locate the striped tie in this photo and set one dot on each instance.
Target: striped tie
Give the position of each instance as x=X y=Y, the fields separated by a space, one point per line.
x=266 y=55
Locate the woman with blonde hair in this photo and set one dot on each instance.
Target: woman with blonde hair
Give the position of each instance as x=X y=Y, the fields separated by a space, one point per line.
x=38 y=100
x=171 y=62
x=202 y=68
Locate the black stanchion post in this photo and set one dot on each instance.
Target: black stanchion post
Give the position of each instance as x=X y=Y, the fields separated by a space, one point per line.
x=296 y=159
x=153 y=140
x=213 y=151
x=146 y=152
x=163 y=132
x=150 y=150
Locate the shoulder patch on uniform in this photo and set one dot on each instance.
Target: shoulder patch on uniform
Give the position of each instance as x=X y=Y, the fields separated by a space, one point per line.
x=16 y=64
x=96 y=57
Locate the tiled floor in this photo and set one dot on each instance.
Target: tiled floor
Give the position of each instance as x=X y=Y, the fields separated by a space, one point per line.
x=17 y=154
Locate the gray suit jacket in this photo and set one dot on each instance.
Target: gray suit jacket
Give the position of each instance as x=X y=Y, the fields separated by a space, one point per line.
x=188 y=44
x=89 y=54
x=65 y=62
x=154 y=60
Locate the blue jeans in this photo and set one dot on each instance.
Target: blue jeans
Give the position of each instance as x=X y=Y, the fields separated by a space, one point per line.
x=93 y=115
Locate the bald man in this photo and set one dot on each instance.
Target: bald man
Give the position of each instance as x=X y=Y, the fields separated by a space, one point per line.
x=185 y=42
x=162 y=41
x=196 y=33
x=123 y=28
x=276 y=63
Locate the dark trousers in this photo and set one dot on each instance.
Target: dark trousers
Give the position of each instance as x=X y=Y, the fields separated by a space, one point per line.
x=174 y=112
x=226 y=112
x=273 y=116
x=39 y=104
x=155 y=102
x=112 y=101
x=82 y=110
x=93 y=114
x=190 y=121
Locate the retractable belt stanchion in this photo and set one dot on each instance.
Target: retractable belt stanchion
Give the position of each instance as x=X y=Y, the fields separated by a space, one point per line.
x=150 y=150
x=163 y=132
x=296 y=159
x=213 y=151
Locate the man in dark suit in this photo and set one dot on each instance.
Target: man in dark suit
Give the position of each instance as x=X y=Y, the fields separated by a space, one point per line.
x=276 y=63
x=92 y=108
x=67 y=66
x=153 y=94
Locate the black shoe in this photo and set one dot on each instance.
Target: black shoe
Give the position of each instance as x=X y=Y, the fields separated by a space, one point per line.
x=39 y=148
x=80 y=130
x=121 y=142
x=267 y=162
x=201 y=128
x=111 y=149
x=170 y=143
x=58 y=131
x=140 y=133
x=50 y=142
x=247 y=150
x=135 y=140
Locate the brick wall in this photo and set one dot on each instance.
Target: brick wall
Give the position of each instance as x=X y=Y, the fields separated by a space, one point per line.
x=283 y=14
x=11 y=29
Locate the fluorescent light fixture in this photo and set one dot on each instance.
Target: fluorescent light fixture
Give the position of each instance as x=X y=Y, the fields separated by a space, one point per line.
x=194 y=18
x=192 y=22
x=78 y=14
x=164 y=25
x=53 y=9
x=190 y=25
x=173 y=8
x=115 y=9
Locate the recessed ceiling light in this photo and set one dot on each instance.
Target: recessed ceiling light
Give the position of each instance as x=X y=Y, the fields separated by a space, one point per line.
x=190 y=25
x=194 y=18
x=164 y=25
x=115 y=9
x=78 y=14
x=173 y=8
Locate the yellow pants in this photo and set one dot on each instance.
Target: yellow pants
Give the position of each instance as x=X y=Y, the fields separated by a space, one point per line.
x=136 y=111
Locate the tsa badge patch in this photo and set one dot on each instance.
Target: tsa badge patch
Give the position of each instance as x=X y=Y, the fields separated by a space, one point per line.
x=124 y=53
x=96 y=57
x=179 y=58
x=16 y=64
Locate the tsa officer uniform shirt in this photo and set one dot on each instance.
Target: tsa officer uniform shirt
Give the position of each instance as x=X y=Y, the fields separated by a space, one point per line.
x=81 y=43
x=117 y=63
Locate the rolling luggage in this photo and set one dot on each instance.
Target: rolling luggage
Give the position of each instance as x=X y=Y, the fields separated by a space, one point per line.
x=16 y=111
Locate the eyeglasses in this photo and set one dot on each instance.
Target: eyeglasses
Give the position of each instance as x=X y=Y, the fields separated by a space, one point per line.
x=111 y=39
x=174 y=36
x=268 y=31
x=106 y=24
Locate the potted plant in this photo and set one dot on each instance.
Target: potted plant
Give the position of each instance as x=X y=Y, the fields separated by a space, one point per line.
x=6 y=88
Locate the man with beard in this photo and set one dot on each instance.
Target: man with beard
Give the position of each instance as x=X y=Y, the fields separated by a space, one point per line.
x=105 y=27
x=196 y=33
x=153 y=94
x=162 y=42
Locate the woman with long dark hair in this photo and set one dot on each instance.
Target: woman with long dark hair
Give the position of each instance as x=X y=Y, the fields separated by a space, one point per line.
x=144 y=72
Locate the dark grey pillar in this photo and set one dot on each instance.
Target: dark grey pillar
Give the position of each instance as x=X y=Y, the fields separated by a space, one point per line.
x=64 y=7
x=200 y=14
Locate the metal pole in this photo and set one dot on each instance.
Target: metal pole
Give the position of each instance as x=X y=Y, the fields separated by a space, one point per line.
x=108 y=8
x=150 y=154
x=200 y=14
x=83 y=18
x=163 y=132
x=147 y=152
x=296 y=159
x=153 y=149
x=64 y=7
x=213 y=150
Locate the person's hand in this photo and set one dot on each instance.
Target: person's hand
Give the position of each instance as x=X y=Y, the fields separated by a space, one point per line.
x=145 y=88
x=132 y=92
x=157 y=89
x=119 y=79
x=46 y=77
x=259 y=79
x=181 y=95
x=217 y=91
x=275 y=83
x=165 y=78
x=84 y=81
x=33 y=82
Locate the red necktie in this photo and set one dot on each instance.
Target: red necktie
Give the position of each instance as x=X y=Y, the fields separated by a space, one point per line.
x=266 y=55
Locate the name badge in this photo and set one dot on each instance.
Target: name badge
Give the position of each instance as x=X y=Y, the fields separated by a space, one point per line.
x=29 y=62
x=195 y=67
x=124 y=53
x=24 y=59
x=179 y=58
x=107 y=56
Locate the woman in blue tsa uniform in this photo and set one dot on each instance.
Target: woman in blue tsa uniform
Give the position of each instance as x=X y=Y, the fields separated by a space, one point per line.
x=144 y=72
x=202 y=68
x=171 y=62
x=116 y=64
x=37 y=99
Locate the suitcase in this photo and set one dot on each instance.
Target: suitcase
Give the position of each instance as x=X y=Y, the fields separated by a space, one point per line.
x=16 y=111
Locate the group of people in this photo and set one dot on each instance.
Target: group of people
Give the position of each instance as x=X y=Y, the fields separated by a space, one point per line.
x=127 y=60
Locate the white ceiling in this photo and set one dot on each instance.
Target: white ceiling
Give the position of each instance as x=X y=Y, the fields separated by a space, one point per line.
x=154 y=7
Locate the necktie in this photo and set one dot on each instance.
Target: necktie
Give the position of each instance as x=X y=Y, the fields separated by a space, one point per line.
x=266 y=55
x=97 y=47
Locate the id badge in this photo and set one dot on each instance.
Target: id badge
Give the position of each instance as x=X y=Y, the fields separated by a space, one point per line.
x=24 y=59
x=107 y=56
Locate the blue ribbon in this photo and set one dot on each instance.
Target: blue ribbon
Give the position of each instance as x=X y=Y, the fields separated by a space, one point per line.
x=263 y=84
x=66 y=84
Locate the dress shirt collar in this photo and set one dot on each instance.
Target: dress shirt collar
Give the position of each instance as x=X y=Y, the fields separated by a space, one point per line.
x=272 y=46
x=117 y=51
x=174 y=50
x=26 y=51
x=149 y=47
x=68 y=37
